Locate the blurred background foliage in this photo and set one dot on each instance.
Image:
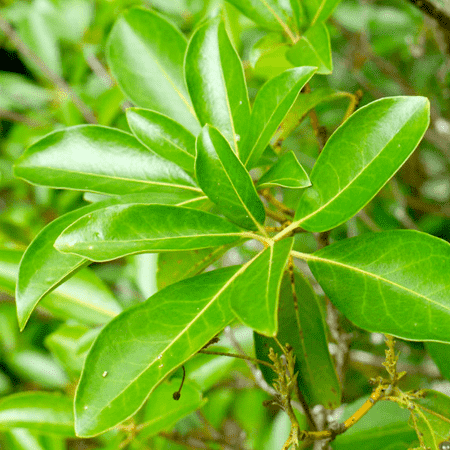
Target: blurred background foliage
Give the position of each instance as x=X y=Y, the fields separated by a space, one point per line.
x=54 y=74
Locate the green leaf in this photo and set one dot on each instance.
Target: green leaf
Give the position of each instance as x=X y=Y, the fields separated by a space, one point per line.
x=146 y=54
x=41 y=411
x=271 y=105
x=176 y=266
x=99 y=159
x=225 y=180
x=287 y=172
x=120 y=230
x=163 y=136
x=359 y=158
x=140 y=347
x=162 y=411
x=384 y=424
x=306 y=333
x=394 y=282
x=441 y=356
x=319 y=10
x=266 y=13
x=313 y=49
x=216 y=83
x=431 y=419
x=254 y=295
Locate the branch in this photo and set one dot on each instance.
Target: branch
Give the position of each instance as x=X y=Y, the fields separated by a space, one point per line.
x=428 y=8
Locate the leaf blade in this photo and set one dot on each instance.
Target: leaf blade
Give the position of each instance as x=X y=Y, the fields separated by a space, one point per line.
x=120 y=230
x=383 y=267
x=145 y=54
x=225 y=180
x=346 y=177
x=216 y=83
x=271 y=105
x=98 y=159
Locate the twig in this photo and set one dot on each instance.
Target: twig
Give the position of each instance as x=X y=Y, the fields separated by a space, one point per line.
x=55 y=79
x=231 y=355
x=428 y=8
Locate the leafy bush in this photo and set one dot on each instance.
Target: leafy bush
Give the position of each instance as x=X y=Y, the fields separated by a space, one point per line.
x=285 y=250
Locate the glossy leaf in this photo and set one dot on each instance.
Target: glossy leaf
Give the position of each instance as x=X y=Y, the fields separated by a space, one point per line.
x=266 y=13
x=176 y=266
x=164 y=136
x=441 y=356
x=271 y=105
x=41 y=411
x=286 y=172
x=359 y=158
x=216 y=83
x=319 y=10
x=255 y=293
x=384 y=424
x=430 y=418
x=313 y=49
x=307 y=335
x=146 y=54
x=225 y=180
x=99 y=159
x=131 y=356
x=120 y=230
x=395 y=282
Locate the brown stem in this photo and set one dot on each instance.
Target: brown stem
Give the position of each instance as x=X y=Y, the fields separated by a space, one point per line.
x=231 y=355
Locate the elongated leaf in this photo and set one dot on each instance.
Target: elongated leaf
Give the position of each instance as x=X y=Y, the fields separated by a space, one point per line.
x=43 y=268
x=266 y=13
x=41 y=411
x=313 y=49
x=431 y=419
x=395 y=282
x=287 y=172
x=139 y=348
x=176 y=266
x=98 y=159
x=359 y=158
x=121 y=230
x=164 y=136
x=225 y=180
x=317 y=376
x=146 y=54
x=216 y=83
x=254 y=295
x=271 y=105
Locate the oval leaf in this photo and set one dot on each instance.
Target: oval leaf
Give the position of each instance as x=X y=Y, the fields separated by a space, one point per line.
x=306 y=333
x=313 y=49
x=131 y=356
x=359 y=158
x=43 y=268
x=41 y=411
x=273 y=102
x=146 y=54
x=99 y=159
x=395 y=282
x=164 y=136
x=225 y=180
x=254 y=295
x=287 y=172
x=216 y=83
x=121 y=230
